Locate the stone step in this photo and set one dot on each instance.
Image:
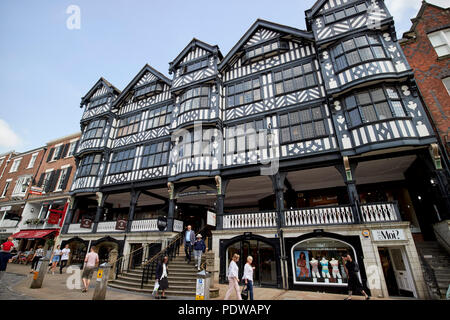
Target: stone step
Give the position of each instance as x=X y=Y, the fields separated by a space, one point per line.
x=181 y=280
x=149 y=285
x=169 y=292
x=171 y=273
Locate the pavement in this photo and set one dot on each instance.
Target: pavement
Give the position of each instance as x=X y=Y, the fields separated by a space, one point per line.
x=15 y=285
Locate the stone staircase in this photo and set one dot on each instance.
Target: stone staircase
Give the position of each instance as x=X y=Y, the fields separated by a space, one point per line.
x=182 y=279
x=439 y=261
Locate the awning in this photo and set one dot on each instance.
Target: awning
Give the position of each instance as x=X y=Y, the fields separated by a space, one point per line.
x=32 y=234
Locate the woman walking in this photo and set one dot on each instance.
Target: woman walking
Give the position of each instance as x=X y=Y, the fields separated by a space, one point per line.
x=199 y=248
x=5 y=255
x=161 y=277
x=248 y=276
x=36 y=257
x=352 y=269
x=233 y=278
x=55 y=258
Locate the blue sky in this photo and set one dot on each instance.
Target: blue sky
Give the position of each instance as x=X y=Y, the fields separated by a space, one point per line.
x=46 y=68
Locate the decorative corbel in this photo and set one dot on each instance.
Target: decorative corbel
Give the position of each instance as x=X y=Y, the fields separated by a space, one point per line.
x=218 y=184
x=170 y=190
x=348 y=170
x=435 y=156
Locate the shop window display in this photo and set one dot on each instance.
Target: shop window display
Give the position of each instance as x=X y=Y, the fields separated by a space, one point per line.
x=319 y=261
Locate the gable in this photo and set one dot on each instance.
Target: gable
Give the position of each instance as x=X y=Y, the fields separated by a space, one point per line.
x=102 y=90
x=261 y=35
x=331 y=4
x=194 y=54
x=146 y=78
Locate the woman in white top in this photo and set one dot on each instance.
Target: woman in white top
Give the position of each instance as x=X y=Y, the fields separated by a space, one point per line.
x=233 y=278
x=55 y=258
x=248 y=276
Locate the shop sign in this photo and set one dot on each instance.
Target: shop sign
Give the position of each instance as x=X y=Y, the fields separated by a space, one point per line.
x=177 y=226
x=388 y=235
x=121 y=224
x=195 y=193
x=86 y=223
x=36 y=191
x=53 y=218
x=7 y=208
x=162 y=223
x=211 y=219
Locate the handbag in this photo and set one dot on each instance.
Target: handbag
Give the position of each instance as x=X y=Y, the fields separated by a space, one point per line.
x=155 y=288
x=244 y=293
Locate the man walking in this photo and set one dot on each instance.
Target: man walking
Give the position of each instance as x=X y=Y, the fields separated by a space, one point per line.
x=189 y=239
x=5 y=255
x=65 y=253
x=199 y=248
x=90 y=263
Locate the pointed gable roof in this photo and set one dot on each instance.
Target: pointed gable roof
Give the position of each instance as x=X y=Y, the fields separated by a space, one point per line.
x=260 y=31
x=146 y=75
x=195 y=43
x=410 y=33
x=101 y=87
x=327 y=4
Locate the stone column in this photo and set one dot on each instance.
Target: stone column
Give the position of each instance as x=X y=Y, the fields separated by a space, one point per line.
x=69 y=215
x=171 y=211
x=347 y=171
x=113 y=255
x=134 y=199
x=99 y=212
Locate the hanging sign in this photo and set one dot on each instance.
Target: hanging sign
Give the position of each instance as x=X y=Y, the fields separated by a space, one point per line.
x=177 y=225
x=211 y=219
x=162 y=223
x=86 y=223
x=53 y=218
x=388 y=235
x=121 y=224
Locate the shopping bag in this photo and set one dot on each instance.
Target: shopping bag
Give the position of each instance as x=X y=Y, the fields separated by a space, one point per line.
x=244 y=293
x=155 y=288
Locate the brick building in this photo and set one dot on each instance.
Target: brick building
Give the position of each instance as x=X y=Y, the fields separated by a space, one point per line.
x=427 y=48
x=17 y=171
x=47 y=200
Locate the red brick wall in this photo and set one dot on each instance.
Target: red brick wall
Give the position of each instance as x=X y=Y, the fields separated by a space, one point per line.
x=429 y=69
x=22 y=170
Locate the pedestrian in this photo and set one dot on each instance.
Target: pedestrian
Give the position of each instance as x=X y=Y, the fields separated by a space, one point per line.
x=199 y=248
x=55 y=258
x=352 y=269
x=162 y=273
x=189 y=239
x=233 y=278
x=65 y=254
x=5 y=255
x=36 y=257
x=248 y=276
x=90 y=263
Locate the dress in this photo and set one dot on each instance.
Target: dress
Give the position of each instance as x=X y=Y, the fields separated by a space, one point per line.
x=353 y=281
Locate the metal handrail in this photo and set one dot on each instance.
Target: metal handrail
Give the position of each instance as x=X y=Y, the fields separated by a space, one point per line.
x=429 y=273
x=122 y=259
x=171 y=251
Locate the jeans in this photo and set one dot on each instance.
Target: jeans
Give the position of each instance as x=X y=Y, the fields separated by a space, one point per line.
x=188 y=250
x=4 y=257
x=35 y=262
x=198 y=257
x=250 y=289
x=62 y=264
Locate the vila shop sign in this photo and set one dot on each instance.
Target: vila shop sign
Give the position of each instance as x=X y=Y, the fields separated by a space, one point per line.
x=388 y=235
x=36 y=191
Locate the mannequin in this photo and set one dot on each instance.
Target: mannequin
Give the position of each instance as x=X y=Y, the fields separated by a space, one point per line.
x=335 y=265
x=315 y=270
x=325 y=271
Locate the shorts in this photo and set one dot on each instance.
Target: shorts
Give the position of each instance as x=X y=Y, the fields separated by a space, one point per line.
x=88 y=272
x=55 y=259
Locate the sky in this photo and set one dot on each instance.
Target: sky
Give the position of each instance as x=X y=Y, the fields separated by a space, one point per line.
x=46 y=67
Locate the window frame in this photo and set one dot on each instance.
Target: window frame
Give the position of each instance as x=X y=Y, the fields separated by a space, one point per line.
x=97 y=128
x=184 y=99
x=5 y=188
x=99 y=101
x=443 y=36
x=446 y=79
x=357 y=49
x=235 y=93
x=168 y=108
x=32 y=160
x=387 y=99
x=131 y=127
x=147 y=154
x=148 y=89
x=303 y=75
x=88 y=166
x=301 y=124
x=234 y=137
x=124 y=156
x=15 y=165
x=62 y=177
x=344 y=9
x=281 y=47
x=199 y=62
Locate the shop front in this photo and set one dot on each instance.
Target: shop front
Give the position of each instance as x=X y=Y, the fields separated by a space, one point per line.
x=315 y=261
x=265 y=253
x=31 y=239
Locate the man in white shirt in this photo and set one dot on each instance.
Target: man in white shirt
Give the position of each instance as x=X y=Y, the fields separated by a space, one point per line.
x=65 y=254
x=233 y=278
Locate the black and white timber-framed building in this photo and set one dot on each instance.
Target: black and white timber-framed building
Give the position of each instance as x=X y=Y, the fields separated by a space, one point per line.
x=303 y=143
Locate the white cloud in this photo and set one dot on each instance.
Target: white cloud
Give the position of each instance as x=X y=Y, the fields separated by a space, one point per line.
x=8 y=138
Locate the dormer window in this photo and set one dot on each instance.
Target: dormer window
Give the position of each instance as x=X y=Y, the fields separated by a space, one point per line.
x=97 y=102
x=149 y=89
x=194 y=66
x=265 y=50
x=346 y=12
